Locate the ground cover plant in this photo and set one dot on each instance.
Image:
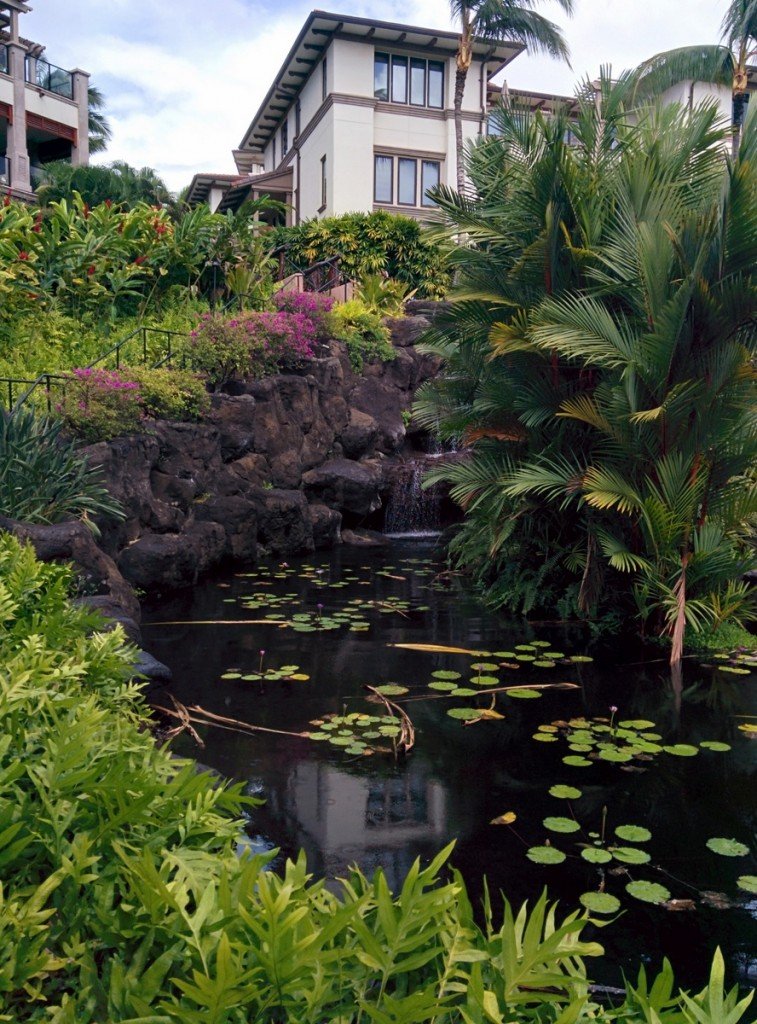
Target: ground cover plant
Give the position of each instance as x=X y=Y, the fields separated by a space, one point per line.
x=599 y=367
x=124 y=898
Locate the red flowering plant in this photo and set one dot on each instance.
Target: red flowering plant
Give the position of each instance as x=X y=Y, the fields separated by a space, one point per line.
x=316 y=307
x=97 y=404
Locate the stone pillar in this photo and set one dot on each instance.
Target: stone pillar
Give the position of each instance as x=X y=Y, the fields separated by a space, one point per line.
x=80 y=152
x=17 y=151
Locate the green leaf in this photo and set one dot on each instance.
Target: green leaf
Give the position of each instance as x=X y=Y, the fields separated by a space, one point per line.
x=391 y=690
x=441 y=686
x=618 y=756
x=600 y=902
x=727 y=847
x=596 y=855
x=633 y=833
x=575 y=761
x=561 y=824
x=523 y=694
x=565 y=792
x=464 y=714
x=630 y=855
x=715 y=745
x=648 y=892
x=444 y=673
x=463 y=691
x=681 y=750
x=748 y=883
x=545 y=855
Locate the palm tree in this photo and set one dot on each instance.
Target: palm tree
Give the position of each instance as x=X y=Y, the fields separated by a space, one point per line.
x=724 y=64
x=100 y=132
x=494 y=21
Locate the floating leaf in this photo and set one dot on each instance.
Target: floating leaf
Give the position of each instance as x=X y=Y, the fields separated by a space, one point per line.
x=484 y=680
x=504 y=654
x=630 y=855
x=681 y=750
x=633 y=833
x=727 y=847
x=464 y=714
x=504 y=819
x=463 y=691
x=485 y=666
x=544 y=737
x=613 y=754
x=600 y=902
x=523 y=694
x=715 y=745
x=636 y=723
x=390 y=730
x=561 y=824
x=232 y=675
x=580 y=659
x=648 y=892
x=748 y=883
x=525 y=657
x=443 y=673
x=356 y=750
x=544 y=664
x=319 y=736
x=545 y=855
x=565 y=792
x=391 y=690
x=596 y=855
x=341 y=741
x=441 y=686
x=525 y=647
x=576 y=761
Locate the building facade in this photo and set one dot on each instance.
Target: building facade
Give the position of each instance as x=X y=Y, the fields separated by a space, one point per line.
x=43 y=108
x=359 y=118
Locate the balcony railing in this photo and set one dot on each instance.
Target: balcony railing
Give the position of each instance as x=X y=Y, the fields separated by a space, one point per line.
x=51 y=78
x=4 y=60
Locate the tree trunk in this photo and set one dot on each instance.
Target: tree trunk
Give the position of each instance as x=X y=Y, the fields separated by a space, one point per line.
x=460 y=77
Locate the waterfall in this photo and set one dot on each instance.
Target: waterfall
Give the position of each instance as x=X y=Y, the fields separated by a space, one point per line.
x=411 y=511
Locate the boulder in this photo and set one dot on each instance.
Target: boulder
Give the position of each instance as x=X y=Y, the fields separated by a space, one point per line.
x=363 y=539
x=359 y=436
x=170 y=561
x=345 y=485
x=383 y=402
x=252 y=471
x=239 y=520
x=326 y=523
x=284 y=526
x=148 y=667
x=286 y=470
x=236 y=421
x=406 y=330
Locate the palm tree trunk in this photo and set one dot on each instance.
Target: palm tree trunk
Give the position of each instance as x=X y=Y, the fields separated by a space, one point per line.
x=460 y=77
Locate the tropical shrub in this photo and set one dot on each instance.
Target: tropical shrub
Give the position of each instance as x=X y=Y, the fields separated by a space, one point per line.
x=42 y=478
x=98 y=404
x=363 y=332
x=125 y=899
x=599 y=363
x=117 y=183
x=316 y=307
x=169 y=394
x=382 y=294
x=370 y=243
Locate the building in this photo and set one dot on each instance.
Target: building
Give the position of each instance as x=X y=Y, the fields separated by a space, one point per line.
x=359 y=117
x=43 y=108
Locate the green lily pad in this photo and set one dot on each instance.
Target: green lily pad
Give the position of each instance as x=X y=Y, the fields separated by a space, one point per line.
x=485 y=666
x=615 y=755
x=391 y=690
x=576 y=761
x=443 y=673
x=341 y=741
x=524 y=694
x=630 y=855
x=525 y=657
x=525 y=647
x=636 y=723
x=463 y=691
x=545 y=855
x=715 y=745
x=565 y=792
x=544 y=737
x=504 y=654
x=648 y=892
x=633 y=833
x=232 y=675
x=727 y=847
x=561 y=824
x=441 y=686
x=596 y=855
x=464 y=714
x=485 y=680
x=544 y=664
x=319 y=736
x=600 y=902
x=748 y=883
x=681 y=750
x=540 y=643
x=580 y=659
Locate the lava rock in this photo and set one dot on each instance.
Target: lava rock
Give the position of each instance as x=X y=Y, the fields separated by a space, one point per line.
x=344 y=485
x=326 y=523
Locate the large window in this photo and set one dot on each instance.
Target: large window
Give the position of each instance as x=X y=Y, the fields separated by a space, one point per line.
x=407 y=178
x=383 y=183
x=413 y=80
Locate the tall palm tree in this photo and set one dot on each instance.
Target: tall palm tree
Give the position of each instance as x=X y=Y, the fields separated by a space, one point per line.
x=100 y=132
x=494 y=21
x=726 y=63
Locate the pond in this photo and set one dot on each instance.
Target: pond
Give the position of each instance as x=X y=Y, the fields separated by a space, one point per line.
x=634 y=813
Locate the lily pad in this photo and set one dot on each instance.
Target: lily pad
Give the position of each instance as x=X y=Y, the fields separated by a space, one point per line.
x=391 y=690
x=463 y=691
x=565 y=792
x=561 y=824
x=485 y=680
x=600 y=902
x=485 y=666
x=464 y=714
x=576 y=761
x=615 y=755
x=524 y=694
x=633 y=833
x=544 y=664
x=545 y=855
x=525 y=647
x=727 y=847
x=443 y=673
x=648 y=892
x=596 y=855
x=715 y=745
x=681 y=750
x=630 y=855
x=544 y=737
x=748 y=883
x=441 y=686
x=580 y=659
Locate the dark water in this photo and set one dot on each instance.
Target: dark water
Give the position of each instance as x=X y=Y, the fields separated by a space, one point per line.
x=374 y=811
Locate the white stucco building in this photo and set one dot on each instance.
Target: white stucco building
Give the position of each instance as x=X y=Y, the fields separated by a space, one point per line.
x=359 y=118
x=43 y=108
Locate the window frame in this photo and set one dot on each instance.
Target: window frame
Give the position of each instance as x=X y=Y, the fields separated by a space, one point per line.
x=440 y=66
x=399 y=60
x=413 y=161
x=409 y=63
x=420 y=202
x=380 y=56
x=414 y=62
x=424 y=201
x=390 y=158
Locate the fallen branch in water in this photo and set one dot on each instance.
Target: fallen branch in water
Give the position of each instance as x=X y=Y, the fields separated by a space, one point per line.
x=220 y=622
x=496 y=689
x=407 y=734
x=200 y=716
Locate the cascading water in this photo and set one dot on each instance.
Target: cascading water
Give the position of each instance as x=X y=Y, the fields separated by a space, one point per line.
x=411 y=510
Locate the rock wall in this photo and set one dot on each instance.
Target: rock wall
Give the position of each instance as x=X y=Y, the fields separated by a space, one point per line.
x=281 y=463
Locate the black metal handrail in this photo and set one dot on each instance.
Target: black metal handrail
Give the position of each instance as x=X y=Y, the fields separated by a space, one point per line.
x=8 y=385
x=140 y=332
x=317 y=277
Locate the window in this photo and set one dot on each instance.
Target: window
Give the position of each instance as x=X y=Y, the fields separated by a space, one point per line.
x=324 y=79
x=383 y=180
x=418 y=82
x=399 y=79
x=284 y=138
x=400 y=175
x=324 y=191
x=412 y=80
x=406 y=175
x=381 y=76
x=429 y=179
x=435 y=83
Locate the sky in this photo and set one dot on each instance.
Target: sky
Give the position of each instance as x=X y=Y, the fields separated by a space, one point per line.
x=183 y=78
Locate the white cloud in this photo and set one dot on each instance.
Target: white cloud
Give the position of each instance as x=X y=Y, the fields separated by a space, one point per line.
x=183 y=79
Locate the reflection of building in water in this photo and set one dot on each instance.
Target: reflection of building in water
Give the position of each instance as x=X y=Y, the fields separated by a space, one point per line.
x=343 y=818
